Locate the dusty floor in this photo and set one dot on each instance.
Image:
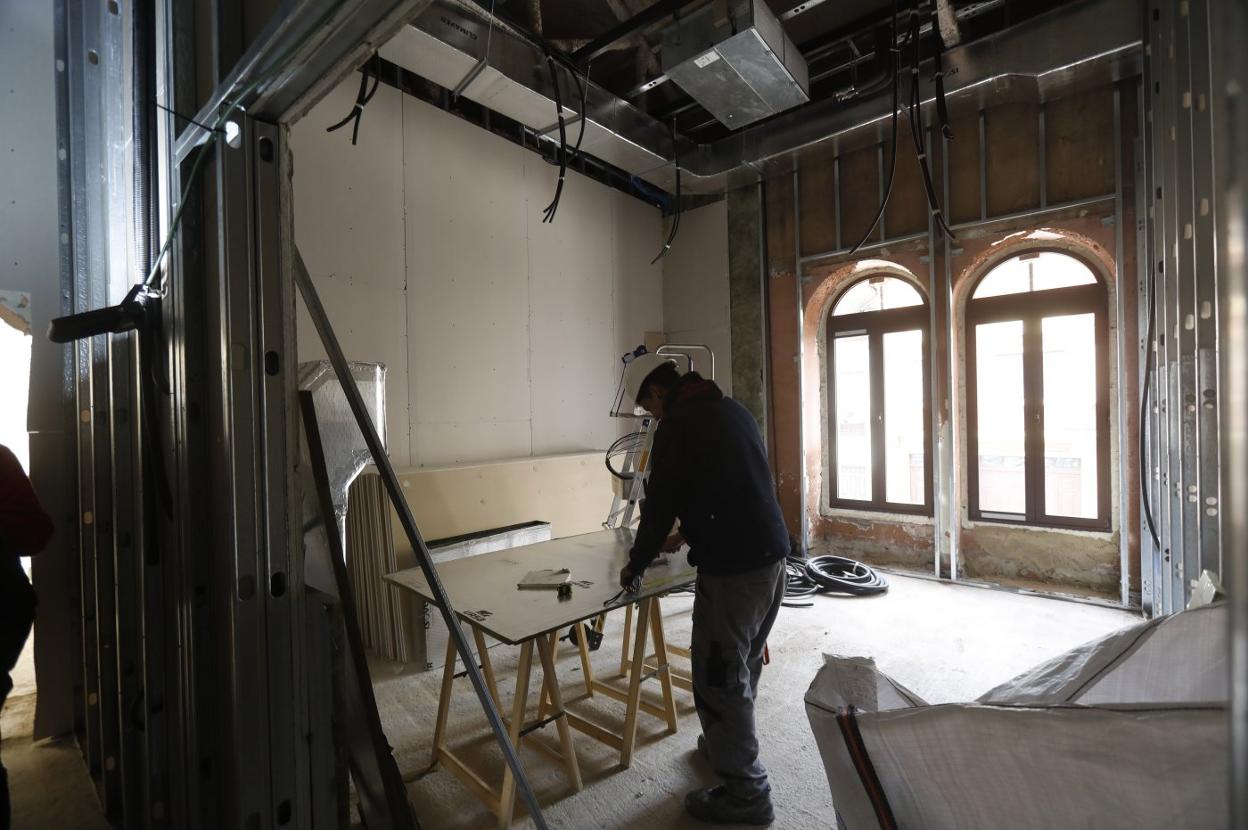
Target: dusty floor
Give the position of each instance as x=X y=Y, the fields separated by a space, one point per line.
x=945 y=642
x=47 y=781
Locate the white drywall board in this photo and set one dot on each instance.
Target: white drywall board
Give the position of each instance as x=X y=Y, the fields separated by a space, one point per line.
x=572 y=349
x=695 y=272
x=468 y=290
x=638 y=283
x=30 y=247
x=441 y=443
x=350 y=231
x=695 y=287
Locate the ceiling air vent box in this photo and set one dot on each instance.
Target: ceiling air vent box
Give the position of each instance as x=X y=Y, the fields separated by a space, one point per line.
x=734 y=59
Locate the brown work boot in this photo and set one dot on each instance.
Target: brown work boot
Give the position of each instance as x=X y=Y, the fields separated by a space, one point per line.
x=716 y=805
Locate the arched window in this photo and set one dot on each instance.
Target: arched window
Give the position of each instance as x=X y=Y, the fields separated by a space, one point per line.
x=880 y=447
x=1037 y=393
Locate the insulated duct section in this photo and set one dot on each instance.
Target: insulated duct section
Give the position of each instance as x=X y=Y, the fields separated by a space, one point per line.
x=456 y=45
x=742 y=68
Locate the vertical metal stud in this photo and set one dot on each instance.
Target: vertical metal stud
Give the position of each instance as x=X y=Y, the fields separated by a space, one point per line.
x=983 y=166
x=800 y=301
x=1123 y=350
x=1205 y=305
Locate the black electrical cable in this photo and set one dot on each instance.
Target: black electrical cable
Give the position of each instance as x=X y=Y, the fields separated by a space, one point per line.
x=942 y=106
x=549 y=212
x=895 y=58
x=806 y=578
x=623 y=445
x=1148 y=381
x=917 y=133
x=671 y=236
x=362 y=97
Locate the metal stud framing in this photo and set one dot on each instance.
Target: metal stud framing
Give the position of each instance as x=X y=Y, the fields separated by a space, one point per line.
x=1182 y=418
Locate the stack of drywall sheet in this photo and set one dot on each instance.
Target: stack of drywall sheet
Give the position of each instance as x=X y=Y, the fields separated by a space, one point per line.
x=385 y=613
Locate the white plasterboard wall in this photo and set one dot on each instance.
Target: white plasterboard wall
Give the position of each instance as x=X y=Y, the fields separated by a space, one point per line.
x=30 y=241
x=501 y=334
x=695 y=287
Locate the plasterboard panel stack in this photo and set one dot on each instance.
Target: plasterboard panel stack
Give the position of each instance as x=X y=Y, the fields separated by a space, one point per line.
x=385 y=612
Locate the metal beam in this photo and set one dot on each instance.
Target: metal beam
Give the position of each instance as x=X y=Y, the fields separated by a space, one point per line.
x=659 y=11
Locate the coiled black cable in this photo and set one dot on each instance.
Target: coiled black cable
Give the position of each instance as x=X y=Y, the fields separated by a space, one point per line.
x=628 y=443
x=828 y=575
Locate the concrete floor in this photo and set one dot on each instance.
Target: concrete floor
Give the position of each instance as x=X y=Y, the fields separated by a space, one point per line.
x=945 y=642
x=48 y=781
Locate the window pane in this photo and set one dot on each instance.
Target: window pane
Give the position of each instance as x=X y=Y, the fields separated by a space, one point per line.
x=852 y=383
x=904 y=474
x=1001 y=426
x=1034 y=272
x=877 y=294
x=1070 y=457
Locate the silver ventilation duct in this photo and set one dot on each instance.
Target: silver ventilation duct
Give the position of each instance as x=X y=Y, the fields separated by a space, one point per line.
x=453 y=44
x=740 y=69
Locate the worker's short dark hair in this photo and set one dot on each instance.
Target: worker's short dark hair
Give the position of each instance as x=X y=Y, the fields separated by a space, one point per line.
x=666 y=376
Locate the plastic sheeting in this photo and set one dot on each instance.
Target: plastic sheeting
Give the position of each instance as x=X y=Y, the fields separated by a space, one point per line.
x=1127 y=731
x=346 y=454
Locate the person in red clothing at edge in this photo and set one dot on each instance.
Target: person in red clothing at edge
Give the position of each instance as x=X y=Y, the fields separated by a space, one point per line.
x=708 y=468
x=24 y=531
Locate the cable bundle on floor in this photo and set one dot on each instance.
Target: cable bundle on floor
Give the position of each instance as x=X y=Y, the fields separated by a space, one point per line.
x=828 y=575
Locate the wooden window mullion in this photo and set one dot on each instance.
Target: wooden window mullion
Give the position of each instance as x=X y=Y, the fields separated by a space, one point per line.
x=875 y=354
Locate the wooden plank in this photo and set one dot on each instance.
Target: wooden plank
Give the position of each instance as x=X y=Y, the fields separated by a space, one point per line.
x=444 y=699
x=551 y=682
x=660 y=655
x=582 y=645
x=595 y=731
x=624 y=640
x=487 y=666
x=507 y=797
x=475 y=783
x=964 y=169
x=1079 y=145
x=818 y=208
x=634 y=682
x=1011 y=135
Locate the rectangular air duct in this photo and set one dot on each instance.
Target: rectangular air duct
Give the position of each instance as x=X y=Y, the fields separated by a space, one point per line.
x=735 y=59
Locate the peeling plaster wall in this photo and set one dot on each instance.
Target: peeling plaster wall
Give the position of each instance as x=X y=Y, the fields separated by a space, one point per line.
x=501 y=335
x=1080 y=157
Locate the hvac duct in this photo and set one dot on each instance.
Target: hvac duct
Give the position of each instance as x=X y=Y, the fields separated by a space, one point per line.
x=455 y=45
x=741 y=69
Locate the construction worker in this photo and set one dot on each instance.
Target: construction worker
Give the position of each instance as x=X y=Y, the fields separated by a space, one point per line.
x=708 y=468
x=24 y=530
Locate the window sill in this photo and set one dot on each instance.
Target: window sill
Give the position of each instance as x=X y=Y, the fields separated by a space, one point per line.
x=874 y=515
x=1081 y=532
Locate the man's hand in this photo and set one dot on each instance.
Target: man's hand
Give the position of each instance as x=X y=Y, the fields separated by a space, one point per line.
x=672 y=543
x=629 y=580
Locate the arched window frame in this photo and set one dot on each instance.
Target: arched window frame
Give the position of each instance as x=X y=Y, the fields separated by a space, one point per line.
x=875 y=324
x=1031 y=308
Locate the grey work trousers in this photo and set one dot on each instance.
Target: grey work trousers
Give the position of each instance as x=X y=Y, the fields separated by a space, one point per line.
x=732 y=616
